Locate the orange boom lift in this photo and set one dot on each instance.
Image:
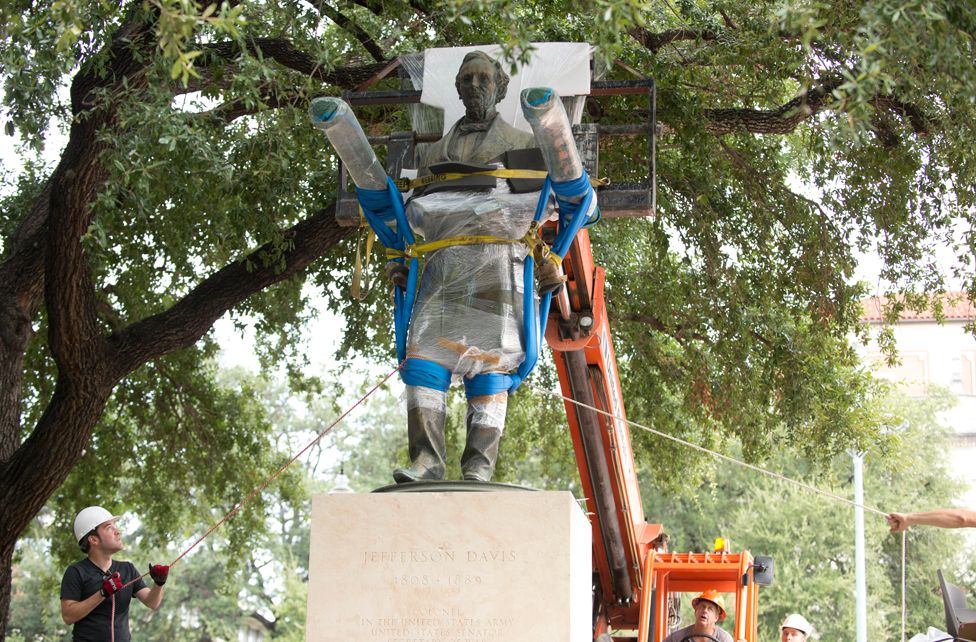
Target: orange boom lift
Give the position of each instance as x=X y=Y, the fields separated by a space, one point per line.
x=635 y=576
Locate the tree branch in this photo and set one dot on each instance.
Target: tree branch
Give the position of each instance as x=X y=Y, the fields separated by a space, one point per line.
x=233 y=110
x=372 y=5
x=784 y=119
x=357 y=32
x=655 y=41
x=183 y=324
x=919 y=122
x=781 y=120
x=282 y=51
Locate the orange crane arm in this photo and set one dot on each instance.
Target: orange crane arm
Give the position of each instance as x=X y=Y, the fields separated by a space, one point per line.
x=578 y=332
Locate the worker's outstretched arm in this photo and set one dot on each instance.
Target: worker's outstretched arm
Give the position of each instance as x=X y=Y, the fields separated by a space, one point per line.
x=944 y=518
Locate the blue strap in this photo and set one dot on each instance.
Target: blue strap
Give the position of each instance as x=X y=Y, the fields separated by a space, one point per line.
x=573 y=188
x=488 y=383
x=380 y=207
x=421 y=372
x=573 y=216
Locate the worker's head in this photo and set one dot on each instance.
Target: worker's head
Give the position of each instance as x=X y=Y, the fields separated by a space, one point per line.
x=95 y=526
x=709 y=608
x=795 y=628
x=481 y=83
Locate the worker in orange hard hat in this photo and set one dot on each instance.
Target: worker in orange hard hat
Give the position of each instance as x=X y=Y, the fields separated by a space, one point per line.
x=709 y=611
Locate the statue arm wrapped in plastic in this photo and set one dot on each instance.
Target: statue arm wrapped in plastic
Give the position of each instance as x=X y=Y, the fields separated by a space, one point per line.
x=335 y=118
x=546 y=115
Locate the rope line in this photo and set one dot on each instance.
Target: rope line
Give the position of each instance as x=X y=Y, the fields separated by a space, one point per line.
x=278 y=472
x=714 y=453
x=768 y=473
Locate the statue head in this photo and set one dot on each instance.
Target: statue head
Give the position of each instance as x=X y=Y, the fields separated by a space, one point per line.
x=481 y=84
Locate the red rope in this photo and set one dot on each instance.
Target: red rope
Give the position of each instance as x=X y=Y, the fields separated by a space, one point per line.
x=112 y=623
x=276 y=474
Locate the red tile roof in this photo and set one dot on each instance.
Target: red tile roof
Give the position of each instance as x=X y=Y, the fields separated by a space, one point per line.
x=955 y=307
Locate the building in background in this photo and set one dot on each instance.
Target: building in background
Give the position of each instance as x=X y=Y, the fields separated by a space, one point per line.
x=941 y=354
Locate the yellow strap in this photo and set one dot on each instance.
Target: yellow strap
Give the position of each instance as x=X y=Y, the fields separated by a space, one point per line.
x=539 y=249
x=361 y=270
x=531 y=240
x=407 y=184
x=357 y=271
x=370 y=238
x=420 y=249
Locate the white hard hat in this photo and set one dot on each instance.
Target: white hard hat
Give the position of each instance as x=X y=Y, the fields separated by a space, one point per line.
x=89 y=518
x=798 y=622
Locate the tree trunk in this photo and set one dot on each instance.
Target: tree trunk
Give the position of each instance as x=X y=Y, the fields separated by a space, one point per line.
x=95 y=365
x=45 y=262
x=6 y=584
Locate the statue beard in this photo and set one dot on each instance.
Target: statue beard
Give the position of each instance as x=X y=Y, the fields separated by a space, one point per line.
x=479 y=107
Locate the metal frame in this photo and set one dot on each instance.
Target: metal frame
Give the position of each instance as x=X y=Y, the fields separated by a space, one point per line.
x=615 y=199
x=668 y=573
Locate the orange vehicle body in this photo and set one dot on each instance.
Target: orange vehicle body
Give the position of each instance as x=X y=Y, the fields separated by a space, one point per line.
x=634 y=574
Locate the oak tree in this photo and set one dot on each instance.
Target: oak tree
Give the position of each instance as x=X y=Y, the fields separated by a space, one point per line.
x=190 y=186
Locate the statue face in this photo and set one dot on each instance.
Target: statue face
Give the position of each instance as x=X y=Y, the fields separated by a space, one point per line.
x=477 y=87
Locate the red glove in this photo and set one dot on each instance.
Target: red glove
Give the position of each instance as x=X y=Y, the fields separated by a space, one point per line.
x=158 y=573
x=111 y=584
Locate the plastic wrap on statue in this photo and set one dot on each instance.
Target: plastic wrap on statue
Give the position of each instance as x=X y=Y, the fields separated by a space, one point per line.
x=577 y=203
x=336 y=119
x=546 y=115
x=468 y=316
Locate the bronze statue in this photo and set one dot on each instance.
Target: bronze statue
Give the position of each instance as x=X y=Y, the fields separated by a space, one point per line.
x=481 y=135
x=467 y=319
x=468 y=314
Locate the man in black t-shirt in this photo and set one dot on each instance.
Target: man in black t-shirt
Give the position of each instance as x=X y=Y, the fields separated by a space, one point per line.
x=91 y=588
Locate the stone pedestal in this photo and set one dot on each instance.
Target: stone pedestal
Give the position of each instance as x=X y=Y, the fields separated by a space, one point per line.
x=449 y=566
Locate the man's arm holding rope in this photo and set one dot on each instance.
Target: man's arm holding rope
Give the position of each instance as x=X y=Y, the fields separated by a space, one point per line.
x=153 y=597
x=943 y=518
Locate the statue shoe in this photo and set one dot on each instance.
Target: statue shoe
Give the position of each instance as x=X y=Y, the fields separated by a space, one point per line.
x=480 y=453
x=478 y=473
x=425 y=436
x=417 y=472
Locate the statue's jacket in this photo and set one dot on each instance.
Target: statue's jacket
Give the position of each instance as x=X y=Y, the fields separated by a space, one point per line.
x=468 y=314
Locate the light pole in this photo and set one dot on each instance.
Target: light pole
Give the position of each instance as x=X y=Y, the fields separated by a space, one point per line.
x=860 y=581
x=341 y=483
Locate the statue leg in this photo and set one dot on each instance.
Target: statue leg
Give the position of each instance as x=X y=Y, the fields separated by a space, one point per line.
x=426 y=412
x=485 y=422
